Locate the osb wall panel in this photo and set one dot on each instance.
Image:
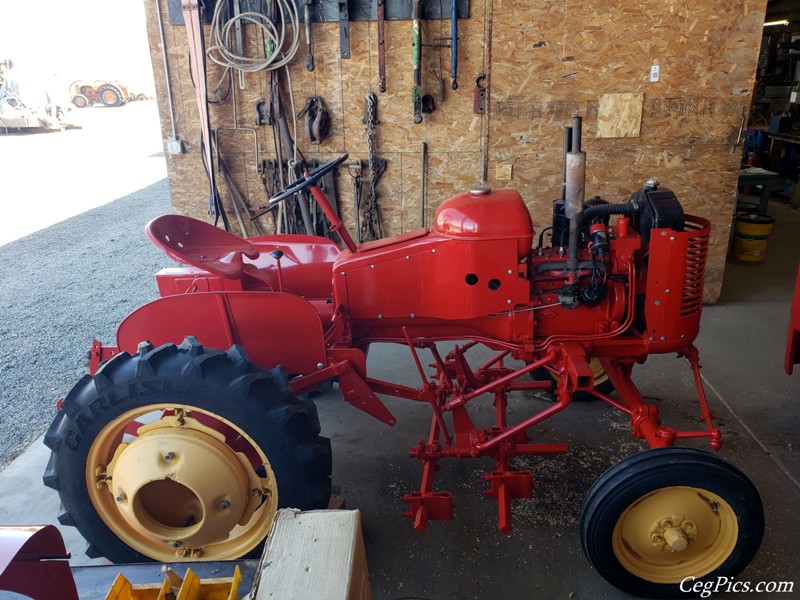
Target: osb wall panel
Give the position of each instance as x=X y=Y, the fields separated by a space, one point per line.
x=546 y=61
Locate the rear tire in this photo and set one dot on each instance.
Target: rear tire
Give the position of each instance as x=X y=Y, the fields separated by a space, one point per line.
x=179 y=453
x=109 y=96
x=670 y=515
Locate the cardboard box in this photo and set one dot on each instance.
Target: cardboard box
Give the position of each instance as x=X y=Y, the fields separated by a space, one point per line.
x=317 y=554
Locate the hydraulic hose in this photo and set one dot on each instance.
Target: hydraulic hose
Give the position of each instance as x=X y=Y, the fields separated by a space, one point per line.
x=604 y=210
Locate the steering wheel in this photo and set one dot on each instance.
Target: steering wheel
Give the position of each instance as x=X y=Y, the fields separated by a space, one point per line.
x=309 y=180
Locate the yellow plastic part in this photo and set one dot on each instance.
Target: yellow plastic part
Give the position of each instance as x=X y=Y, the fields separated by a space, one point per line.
x=191 y=588
x=170 y=487
x=674 y=533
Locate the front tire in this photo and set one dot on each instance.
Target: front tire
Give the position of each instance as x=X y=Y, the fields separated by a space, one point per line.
x=180 y=453
x=670 y=515
x=80 y=101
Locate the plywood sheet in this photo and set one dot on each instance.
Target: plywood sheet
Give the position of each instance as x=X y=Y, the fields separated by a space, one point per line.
x=545 y=62
x=619 y=115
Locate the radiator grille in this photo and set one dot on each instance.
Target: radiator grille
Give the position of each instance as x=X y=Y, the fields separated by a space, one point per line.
x=696 y=255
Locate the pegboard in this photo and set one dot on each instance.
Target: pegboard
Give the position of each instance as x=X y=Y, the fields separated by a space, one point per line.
x=328 y=10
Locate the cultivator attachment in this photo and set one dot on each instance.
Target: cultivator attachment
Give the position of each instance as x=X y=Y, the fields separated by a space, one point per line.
x=455 y=384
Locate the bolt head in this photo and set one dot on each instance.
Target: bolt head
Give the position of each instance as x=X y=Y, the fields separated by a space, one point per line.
x=176 y=544
x=224 y=505
x=121 y=496
x=320 y=366
x=169 y=456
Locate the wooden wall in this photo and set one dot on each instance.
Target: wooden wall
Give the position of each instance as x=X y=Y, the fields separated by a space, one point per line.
x=546 y=60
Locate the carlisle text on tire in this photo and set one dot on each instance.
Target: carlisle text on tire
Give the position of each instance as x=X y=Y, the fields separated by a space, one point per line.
x=182 y=452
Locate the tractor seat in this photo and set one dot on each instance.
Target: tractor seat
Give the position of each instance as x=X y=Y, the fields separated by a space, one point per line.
x=189 y=241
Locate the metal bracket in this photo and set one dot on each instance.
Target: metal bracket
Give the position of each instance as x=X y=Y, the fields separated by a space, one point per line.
x=344 y=30
x=426 y=506
x=479 y=95
x=505 y=486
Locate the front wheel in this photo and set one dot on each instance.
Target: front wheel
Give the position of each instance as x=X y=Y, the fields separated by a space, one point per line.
x=661 y=520
x=181 y=452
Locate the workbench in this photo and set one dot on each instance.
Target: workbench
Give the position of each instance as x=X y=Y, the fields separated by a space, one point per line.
x=762 y=177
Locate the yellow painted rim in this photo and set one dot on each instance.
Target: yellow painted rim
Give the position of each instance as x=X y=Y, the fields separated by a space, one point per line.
x=109 y=96
x=700 y=523
x=166 y=481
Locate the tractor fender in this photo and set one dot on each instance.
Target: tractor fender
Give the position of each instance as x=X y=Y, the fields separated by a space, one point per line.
x=273 y=328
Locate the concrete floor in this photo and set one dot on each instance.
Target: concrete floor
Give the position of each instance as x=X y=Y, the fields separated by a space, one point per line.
x=741 y=343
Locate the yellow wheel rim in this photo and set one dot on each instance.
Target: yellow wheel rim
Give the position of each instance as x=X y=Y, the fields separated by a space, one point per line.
x=109 y=96
x=674 y=533
x=175 y=482
x=599 y=373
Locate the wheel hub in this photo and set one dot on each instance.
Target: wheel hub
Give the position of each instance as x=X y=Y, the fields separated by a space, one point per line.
x=183 y=486
x=673 y=534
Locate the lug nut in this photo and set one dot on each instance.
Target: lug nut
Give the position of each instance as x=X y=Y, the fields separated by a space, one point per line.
x=176 y=544
x=169 y=456
x=224 y=505
x=121 y=497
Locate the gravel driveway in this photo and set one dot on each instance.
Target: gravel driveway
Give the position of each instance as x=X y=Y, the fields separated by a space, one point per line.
x=74 y=281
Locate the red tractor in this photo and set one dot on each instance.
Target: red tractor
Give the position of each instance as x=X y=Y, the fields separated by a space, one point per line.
x=107 y=93
x=191 y=431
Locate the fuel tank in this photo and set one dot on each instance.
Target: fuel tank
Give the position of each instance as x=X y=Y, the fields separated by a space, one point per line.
x=471 y=266
x=483 y=214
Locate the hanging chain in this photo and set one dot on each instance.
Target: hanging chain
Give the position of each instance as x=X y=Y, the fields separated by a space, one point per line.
x=371 y=223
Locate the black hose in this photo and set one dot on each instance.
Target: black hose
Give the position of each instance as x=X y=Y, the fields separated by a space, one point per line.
x=603 y=210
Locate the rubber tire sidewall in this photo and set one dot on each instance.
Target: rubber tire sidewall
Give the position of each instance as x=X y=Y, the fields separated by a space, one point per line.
x=624 y=484
x=101 y=95
x=259 y=418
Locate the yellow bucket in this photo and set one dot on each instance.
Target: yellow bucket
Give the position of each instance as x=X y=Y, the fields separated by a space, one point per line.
x=752 y=231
